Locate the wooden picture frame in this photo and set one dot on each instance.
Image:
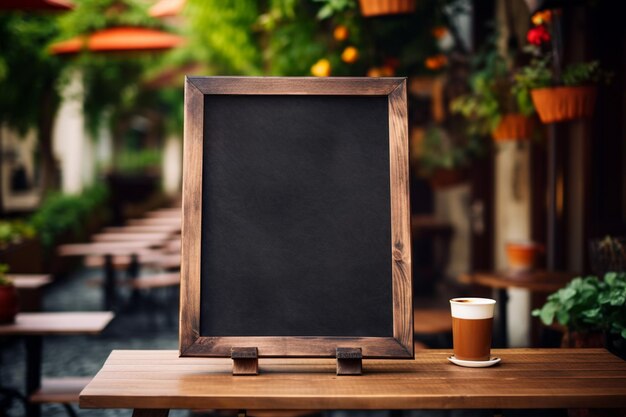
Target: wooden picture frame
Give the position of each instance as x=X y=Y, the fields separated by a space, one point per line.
x=400 y=345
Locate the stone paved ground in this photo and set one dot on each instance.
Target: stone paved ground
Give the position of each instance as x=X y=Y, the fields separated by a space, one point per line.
x=147 y=327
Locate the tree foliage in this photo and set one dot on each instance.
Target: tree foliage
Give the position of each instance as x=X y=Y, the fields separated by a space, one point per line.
x=27 y=70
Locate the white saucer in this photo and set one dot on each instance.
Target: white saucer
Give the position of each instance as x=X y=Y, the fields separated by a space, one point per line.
x=474 y=364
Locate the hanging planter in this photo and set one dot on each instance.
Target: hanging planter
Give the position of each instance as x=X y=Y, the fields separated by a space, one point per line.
x=386 y=7
x=513 y=126
x=558 y=104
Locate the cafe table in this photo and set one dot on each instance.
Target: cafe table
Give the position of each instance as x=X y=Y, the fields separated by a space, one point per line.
x=536 y=281
x=106 y=251
x=154 y=381
x=32 y=327
x=29 y=288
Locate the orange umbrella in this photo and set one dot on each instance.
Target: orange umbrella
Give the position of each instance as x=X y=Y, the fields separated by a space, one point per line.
x=31 y=5
x=167 y=8
x=119 y=39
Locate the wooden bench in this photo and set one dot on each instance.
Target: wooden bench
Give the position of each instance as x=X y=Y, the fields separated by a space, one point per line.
x=59 y=390
x=156 y=237
x=145 y=228
x=145 y=282
x=149 y=258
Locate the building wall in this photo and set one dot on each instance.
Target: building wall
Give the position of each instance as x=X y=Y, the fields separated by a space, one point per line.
x=72 y=145
x=18 y=152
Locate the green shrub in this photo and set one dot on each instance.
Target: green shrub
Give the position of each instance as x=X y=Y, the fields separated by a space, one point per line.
x=61 y=213
x=14 y=232
x=4 y=280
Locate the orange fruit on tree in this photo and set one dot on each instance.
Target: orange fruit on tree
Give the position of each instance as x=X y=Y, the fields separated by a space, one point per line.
x=321 y=68
x=341 y=33
x=350 y=55
x=374 y=72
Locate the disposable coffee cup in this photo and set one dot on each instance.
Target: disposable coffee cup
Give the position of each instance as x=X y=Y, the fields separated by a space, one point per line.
x=472 y=326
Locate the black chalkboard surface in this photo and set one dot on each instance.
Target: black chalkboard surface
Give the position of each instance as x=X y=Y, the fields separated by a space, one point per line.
x=294 y=205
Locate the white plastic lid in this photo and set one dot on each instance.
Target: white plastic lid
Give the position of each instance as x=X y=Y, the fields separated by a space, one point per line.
x=472 y=308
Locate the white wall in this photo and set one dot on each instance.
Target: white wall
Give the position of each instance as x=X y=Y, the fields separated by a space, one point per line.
x=172 y=165
x=452 y=207
x=72 y=145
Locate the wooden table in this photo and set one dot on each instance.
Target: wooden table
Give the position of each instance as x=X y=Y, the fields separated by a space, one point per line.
x=146 y=228
x=152 y=221
x=156 y=237
x=533 y=281
x=153 y=382
x=29 y=287
x=106 y=251
x=32 y=327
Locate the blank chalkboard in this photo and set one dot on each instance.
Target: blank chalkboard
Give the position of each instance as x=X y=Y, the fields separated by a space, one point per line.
x=295 y=217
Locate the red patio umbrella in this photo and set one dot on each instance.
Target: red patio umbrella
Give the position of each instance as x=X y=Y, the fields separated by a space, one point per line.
x=35 y=5
x=119 y=39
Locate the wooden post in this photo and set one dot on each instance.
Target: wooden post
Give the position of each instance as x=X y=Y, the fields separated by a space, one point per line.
x=245 y=360
x=349 y=361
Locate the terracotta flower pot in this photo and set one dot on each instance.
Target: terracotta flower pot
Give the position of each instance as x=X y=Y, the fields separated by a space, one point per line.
x=513 y=126
x=522 y=256
x=447 y=177
x=557 y=104
x=383 y=7
x=8 y=303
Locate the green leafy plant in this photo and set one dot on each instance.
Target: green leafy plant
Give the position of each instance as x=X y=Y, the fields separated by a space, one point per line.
x=540 y=74
x=137 y=161
x=445 y=150
x=589 y=304
x=331 y=7
x=61 y=213
x=490 y=97
x=12 y=232
x=29 y=81
x=4 y=280
x=584 y=73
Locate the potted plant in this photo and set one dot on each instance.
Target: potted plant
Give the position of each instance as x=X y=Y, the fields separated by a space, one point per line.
x=573 y=98
x=607 y=254
x=490 y=108
x=445 y=156
x=591 y=310
x=522 y=255
x=559 y=94
x=8 y=297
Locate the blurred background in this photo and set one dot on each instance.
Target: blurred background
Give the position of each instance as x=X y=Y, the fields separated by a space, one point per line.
x=517 y=158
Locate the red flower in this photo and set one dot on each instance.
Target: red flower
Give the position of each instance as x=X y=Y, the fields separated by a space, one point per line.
x=538 y=35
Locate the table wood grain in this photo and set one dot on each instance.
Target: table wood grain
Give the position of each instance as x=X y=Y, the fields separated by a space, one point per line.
x=53 y=323
x=526 y=378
